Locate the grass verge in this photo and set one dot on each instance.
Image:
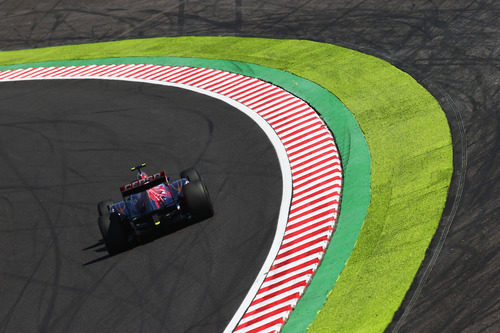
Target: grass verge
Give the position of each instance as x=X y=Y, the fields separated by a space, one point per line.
x=410 y=146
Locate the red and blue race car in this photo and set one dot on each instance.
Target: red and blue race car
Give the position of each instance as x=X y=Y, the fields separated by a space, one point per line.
x=150 y=203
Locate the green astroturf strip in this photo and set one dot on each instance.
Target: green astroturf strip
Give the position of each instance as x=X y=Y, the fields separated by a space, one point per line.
x=351 y=145
x=411 y=164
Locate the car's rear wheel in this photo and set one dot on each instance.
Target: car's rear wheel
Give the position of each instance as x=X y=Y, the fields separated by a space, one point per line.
x=197 y=200
x=103 y=222
x=113 y=233
x=103 y=207
x=191 y=174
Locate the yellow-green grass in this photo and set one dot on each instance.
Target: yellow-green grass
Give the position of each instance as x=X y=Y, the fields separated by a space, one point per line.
x=410 y=147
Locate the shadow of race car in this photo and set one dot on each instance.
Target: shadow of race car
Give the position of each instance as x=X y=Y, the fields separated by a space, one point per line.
x=150 y=204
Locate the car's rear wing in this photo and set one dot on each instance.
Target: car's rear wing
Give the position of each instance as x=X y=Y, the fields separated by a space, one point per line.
x=142 y=185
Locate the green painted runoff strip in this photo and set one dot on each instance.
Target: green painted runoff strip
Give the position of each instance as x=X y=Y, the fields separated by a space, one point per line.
x=350 y=142
x=410 y=147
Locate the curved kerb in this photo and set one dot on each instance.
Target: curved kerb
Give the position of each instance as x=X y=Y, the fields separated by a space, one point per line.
x=310 y=165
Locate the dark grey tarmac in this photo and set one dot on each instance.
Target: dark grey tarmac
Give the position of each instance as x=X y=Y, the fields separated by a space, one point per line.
x=67 y=144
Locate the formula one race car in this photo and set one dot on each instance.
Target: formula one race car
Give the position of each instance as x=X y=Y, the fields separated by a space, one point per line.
x=149 y=204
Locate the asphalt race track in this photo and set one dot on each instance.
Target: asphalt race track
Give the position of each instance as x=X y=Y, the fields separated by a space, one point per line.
x=450 y=47
x=66 y=145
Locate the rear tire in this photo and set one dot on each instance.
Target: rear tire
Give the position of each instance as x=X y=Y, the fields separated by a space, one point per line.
x=113 y=233
x=198 y=200
x=103 y=222
x=191 y=174
x=103 y=207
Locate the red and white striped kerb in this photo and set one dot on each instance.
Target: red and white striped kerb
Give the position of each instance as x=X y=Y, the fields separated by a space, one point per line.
x=315 y=172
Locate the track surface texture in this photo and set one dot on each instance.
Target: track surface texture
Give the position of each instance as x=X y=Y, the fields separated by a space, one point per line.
x=63 y=144
x=451 y=47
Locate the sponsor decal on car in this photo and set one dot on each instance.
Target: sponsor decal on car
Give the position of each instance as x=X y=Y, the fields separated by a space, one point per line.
x=142 y=182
